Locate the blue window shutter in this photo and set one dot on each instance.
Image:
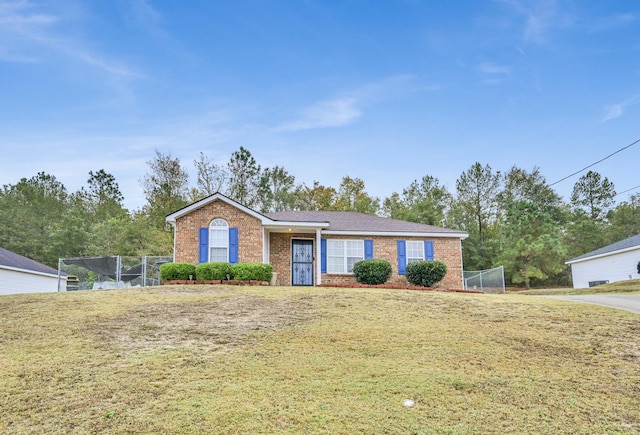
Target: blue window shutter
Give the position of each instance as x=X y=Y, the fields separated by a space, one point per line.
x=428 y=250
x=402 y=257
x=233 y=245
x=368 y=249
x=323 y=255
x=203 y=251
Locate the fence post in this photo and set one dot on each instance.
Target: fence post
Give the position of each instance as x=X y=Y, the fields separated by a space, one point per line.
x=118 y=267
x=144 y=271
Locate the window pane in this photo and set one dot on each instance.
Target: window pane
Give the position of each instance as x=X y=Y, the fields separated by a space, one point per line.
x=335 y=265
x=415 y=251
x=218 y=255
x=219 y=237
x=350 y=262
x=355 y=248
x=335 y=247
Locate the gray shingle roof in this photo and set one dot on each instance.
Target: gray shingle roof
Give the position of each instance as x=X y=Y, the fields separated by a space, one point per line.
x=11 y=259
x=622 y=244
x=352 y=221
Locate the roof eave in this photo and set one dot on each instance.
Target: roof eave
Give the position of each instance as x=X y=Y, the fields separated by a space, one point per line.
x=460 y=236
x=604 y=254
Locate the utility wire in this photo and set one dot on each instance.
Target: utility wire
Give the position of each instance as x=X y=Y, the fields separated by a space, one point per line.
x=593 y=164
x=628 y=190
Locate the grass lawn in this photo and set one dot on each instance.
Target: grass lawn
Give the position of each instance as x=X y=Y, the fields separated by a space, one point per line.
x=202 y=359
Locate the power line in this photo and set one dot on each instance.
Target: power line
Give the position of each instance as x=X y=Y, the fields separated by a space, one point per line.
x=593 y=164
x=628 y=190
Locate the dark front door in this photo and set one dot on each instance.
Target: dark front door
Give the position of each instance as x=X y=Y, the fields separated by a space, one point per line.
x=302 y=262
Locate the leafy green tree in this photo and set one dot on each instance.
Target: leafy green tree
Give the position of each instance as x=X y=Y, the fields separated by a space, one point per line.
x=277 y=190
x=593 y=194
x=624 y=220
x=103 y=196
x=315 y=198
x=533 y=247
x=29 y=210
x=212 y=178
x=353 y=197
x=244 y=179
x=165 y=188
x=424 y=201
x=475 y=210
x=69 y=236
x=129 y=235
x=477 y=197
x=520 y=185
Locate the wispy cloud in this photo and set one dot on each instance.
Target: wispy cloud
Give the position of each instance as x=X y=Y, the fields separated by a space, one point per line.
x=540 y=17
x=492 y=68
x=349 y=108
x=492 y=73
x=325 y=114
x=613 y=111
x=29 y=35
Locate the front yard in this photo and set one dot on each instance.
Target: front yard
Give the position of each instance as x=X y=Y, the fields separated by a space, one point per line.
x=202 y=359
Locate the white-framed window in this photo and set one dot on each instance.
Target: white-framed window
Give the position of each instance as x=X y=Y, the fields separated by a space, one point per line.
x=343 y=254
x=219 y=241
x=415 y=251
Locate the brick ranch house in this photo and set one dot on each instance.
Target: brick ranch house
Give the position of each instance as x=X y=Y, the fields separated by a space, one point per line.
x=309 y=247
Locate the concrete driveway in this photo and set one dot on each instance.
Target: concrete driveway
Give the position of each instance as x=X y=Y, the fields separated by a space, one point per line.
x=621 y=302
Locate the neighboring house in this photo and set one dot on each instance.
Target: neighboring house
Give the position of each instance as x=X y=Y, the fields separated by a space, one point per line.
x=309 y=247
x=612 y=263
x=20 y=274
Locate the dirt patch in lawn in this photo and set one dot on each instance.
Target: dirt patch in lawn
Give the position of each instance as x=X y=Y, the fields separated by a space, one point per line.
x=209 y=325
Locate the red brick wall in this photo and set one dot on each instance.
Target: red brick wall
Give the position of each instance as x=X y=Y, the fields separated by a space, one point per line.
x=188 y=228
x=446 y=250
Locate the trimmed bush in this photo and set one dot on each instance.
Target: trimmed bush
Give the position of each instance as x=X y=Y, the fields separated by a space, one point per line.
x=177 y=271
x=426 y=273
x=214 y=271
x=372 y=272
x=252 y=271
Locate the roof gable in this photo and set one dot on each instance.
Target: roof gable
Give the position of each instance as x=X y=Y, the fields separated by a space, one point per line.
x=15 y=261
x=171 y=218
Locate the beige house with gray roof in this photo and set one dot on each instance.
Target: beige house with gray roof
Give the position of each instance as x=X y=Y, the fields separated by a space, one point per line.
x=310 y=247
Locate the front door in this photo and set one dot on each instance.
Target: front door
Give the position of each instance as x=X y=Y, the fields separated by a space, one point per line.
x=302 y=262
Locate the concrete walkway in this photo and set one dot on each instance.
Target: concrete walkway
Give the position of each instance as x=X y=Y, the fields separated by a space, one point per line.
x=622 y=302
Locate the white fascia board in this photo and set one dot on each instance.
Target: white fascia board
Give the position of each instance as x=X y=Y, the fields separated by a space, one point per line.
x=31 y=272
x=460 y=236
x=196 y=205
x=606 y=254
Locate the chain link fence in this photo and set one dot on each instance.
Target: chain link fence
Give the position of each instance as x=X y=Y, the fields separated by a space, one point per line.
x=99 y=273
x=486 y=281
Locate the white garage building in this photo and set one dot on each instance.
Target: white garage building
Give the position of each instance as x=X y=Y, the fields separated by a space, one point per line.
x=616 y=262
x=20 y=274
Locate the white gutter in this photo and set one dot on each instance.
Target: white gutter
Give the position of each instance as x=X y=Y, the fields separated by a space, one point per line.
x=395 y=234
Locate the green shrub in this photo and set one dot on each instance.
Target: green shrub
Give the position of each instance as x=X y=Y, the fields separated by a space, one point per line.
x=252 y=271
x=177 y=271
x=426 y=273
x=214 y=271
x=372 y=272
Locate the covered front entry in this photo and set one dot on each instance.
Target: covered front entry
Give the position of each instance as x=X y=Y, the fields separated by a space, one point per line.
x=301 y=262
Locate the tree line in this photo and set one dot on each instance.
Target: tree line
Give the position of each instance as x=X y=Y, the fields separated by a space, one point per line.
x=514 y=218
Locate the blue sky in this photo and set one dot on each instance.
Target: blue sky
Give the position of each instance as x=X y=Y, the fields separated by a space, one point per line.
x=387 y=91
